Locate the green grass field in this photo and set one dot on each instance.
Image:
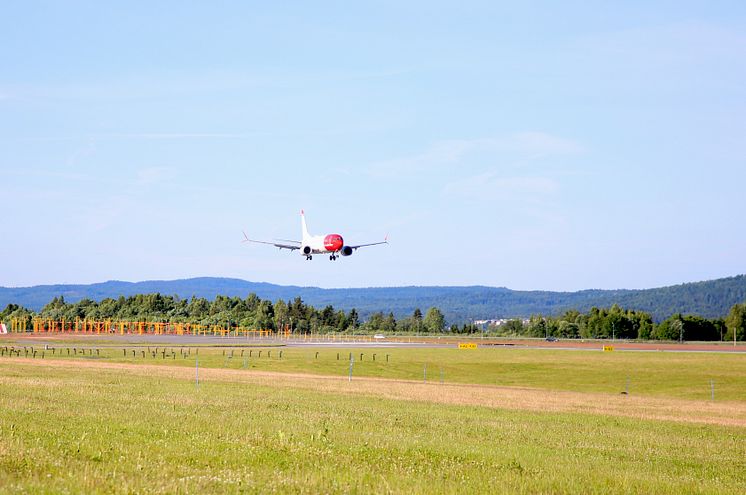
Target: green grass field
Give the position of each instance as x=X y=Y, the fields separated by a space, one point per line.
x=73 y=425
x=666 y=374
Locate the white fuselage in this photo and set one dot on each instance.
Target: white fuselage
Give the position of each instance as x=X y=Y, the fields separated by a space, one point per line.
x=319 y=244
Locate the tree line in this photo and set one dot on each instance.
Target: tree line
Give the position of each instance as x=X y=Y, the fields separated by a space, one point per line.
x=230 y=312
x=252 y=312
x=619 y=323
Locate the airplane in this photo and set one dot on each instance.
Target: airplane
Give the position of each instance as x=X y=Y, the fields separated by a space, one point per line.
x=331 y=244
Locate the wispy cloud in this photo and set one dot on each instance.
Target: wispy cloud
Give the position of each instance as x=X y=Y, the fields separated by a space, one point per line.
x=688 y=61
x=493 y=186
x=178 y=135
x=667 y=44
x=88 y=150
x=107 y=212
x=155 y=175
x=538 y=143
x=150 y=136
x=521 y=146
x=166 y=84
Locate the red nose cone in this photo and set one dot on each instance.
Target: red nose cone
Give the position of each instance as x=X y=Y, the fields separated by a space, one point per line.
x=333 y=242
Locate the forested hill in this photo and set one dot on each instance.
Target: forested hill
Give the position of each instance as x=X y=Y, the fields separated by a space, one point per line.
x=709 y=299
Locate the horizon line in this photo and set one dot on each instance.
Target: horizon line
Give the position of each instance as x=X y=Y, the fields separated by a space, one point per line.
x=364 y=287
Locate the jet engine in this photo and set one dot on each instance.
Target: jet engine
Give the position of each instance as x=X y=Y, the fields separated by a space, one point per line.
x=306 y=250
x=346 y=251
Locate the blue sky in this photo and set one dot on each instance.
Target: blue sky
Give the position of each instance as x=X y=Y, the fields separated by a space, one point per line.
x=535 y=145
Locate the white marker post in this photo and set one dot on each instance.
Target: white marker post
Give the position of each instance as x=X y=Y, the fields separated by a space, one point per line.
x=352 y=360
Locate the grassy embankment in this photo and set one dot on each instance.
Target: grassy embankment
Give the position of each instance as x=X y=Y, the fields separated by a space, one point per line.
x=112 y=424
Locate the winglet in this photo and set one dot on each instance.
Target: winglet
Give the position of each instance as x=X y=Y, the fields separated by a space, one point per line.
x=245 y=237
x=386 y=239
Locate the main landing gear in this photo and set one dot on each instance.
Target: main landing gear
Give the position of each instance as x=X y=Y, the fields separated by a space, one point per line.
x=333 y=257
x=309 y=257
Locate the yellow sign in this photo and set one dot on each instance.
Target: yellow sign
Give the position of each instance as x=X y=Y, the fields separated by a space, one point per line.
x=608 y=348
x=467 y=345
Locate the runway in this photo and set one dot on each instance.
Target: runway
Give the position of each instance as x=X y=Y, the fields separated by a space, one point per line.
x=366 y=341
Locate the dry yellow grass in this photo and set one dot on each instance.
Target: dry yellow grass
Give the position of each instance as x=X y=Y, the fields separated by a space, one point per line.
x=664 y=409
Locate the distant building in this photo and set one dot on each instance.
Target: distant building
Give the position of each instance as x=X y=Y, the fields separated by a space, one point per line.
x=496 y=322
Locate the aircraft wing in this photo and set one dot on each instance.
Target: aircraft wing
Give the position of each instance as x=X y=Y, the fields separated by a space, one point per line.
x=295 y=244
x=384 y=241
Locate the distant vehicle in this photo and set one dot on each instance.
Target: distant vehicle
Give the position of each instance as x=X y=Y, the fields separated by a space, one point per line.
x=331 y=244
x=379 y=336
x=552 y=339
